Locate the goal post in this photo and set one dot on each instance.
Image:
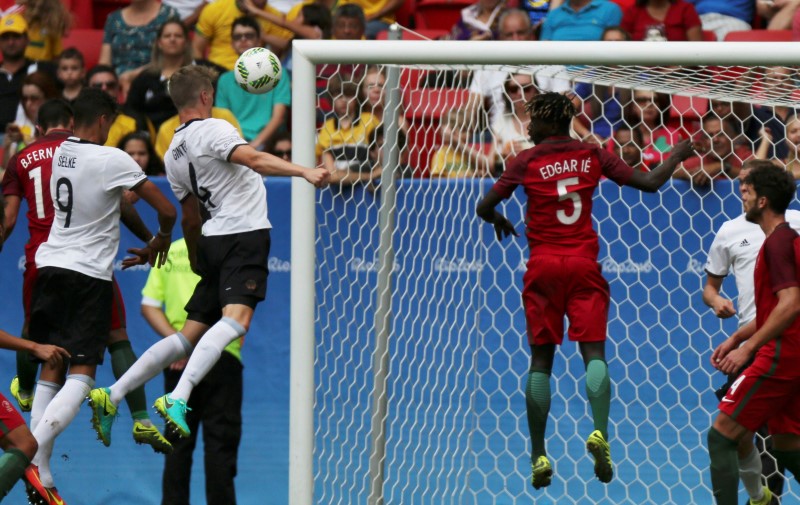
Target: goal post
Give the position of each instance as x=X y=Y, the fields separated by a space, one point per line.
x=464 y=365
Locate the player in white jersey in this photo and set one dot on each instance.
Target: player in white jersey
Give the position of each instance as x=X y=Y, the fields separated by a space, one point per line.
x=71 y=305
x=208 y=164
x=735 y=249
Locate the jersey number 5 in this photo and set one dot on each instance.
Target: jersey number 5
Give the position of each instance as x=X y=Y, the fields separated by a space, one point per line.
x=565 y=194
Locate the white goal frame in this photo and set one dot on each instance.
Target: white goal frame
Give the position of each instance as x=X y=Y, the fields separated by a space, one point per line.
x=308 y=53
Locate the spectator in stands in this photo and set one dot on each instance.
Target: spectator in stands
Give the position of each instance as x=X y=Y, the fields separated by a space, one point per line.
x=737 y=114
x=139 y=147
x=281 y=145
x=723 y=16
x=213 y=31
x=260 y=116
x=779 y=14
x=486 y=87
x=378 y=14
x=15 y=66
x=148 y=93
x=648 y=111
x=478 y=21
x=349 y=22
x=37 y=88
x=71 y=73
x=721 y=156
x=104 y=78
x=342 y=141
x=48 y=21
x=313 y=21
x=603 y=104
x=627 y=144
x=792 y=143
x=188 y=10
x=457 y=157
x=580 y=20
x=673 y=20
x=777 y=83
x=129 y=35
x=537 y=11
x=376 y=140
x=372 y=85
x=511 y=133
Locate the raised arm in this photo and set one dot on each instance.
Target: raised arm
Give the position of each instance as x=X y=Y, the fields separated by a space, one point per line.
x=267 y=164
x=654 y=179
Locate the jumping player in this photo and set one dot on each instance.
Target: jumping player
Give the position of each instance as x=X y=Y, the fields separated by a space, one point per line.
x=28 y=178
x=563 y=277
x=209 y=164
x=767 y=391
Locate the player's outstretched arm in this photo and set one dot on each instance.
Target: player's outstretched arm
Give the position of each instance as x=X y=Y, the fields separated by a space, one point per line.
x=486 y=211
x=654 y=179
x=129 y=216
x=723 y=307
x=267 y=164
x=51 y=354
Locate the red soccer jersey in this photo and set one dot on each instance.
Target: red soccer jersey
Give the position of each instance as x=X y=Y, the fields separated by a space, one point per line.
x=28 y=177
x=559 y=176
x=776 y=269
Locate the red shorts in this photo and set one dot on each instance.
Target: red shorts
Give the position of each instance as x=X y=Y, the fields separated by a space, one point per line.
x=762 y=396
x=9 y=417
x=558 y=286
x=29 y=280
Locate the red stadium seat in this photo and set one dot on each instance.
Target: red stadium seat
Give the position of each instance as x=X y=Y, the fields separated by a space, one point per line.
x=102 y=8
x=82 y=13
x=759 y=36
x=440 y=14
x=424 y=108
x=87 y=41
x=405 y=14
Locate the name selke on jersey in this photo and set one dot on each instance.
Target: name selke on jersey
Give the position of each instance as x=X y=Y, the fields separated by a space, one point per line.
x=197 y=163
x=28 y=177
x=86 y=187
x=559 y=177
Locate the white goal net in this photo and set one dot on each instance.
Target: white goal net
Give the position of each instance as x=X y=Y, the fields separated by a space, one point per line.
x=409 y=354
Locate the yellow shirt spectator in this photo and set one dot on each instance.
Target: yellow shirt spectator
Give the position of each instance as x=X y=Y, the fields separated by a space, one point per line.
x=447 y=162
x=215 y=24
x=167 y=129
x=42 y=46
x=358 y=133
x=123 y=125
x=370 y=8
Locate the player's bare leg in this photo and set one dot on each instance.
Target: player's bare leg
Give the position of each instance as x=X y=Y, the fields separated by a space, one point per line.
x=537 y=403
x=598 y=391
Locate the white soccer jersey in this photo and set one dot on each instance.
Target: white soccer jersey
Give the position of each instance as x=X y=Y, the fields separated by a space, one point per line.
x=735 y=248
x=197 y=163
x=86 y=186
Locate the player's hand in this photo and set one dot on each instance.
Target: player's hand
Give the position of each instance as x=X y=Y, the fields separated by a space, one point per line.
x=317 y=176
x=503 y=228
x=50 y=354
x=140 y=257
x=734 y=361
x=159 y=248
x=723 y=308
x=683 y=150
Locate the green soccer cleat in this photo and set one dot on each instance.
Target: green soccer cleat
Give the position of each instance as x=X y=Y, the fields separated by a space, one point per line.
x=174 y=413
x=25 y=401
x=542 y=472
x=104 y=412
x=765 y=500
x=600 y=451
x=143 y=434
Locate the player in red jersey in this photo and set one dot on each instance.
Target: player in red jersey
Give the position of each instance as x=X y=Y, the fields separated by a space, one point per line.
x=768 y=391
x=28 y=177
x=563 y=277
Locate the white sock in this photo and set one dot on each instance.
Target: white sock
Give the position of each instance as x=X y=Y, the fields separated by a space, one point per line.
x=57 y=416
x=151 y=363
x=750 y=473
x=206 y=355
x=45 y=392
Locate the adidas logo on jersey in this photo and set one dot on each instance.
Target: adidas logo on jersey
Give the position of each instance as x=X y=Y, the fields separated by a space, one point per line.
x=744 y=243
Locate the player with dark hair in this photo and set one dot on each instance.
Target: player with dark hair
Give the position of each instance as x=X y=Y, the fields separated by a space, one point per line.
x=28 y=177
x=563 y=278
x=210 y=165
x=72 y=299
x=768 y=390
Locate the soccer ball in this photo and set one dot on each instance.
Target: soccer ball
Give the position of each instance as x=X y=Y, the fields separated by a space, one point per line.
x=257 y=70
